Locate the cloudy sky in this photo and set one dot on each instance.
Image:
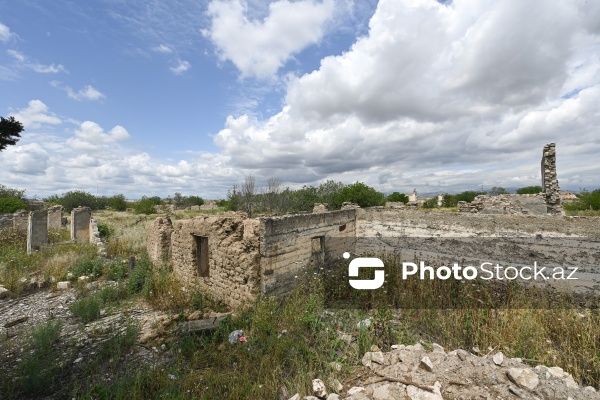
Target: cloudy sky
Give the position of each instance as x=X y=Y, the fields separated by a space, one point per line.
x=162 y=96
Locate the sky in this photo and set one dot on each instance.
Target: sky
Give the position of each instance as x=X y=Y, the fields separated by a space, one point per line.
x=153 y=97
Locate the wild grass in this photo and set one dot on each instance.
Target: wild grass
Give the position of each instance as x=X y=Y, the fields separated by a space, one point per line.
x=53 y=261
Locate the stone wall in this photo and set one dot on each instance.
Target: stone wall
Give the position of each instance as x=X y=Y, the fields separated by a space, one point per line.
x=529 y=204
x=550 y=181
x=291 y=243
x=6 y=221
x=55 y=214
x=80 y=224
x=231 y=270
x=20 y=221
x=37 y=230
x=159 y=240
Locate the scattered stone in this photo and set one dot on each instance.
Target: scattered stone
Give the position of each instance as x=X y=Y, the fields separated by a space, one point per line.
x=14 y=322
x=64 y=285
x=498 y=358
x=436 y=348
x=415 y=393
x=4 y=293
x=335 y=384
x=195 y=315
x=570 y=382
x=319 y=388
x=375 y=348
x=310 y=398
x=426 y=364
x=523 y=377
x=462 y=354
x=398 y=347
x=373 y=356
x=590 y=389
x=295 y=397
x=355 y=390
x=336 y=366
x=333 y=396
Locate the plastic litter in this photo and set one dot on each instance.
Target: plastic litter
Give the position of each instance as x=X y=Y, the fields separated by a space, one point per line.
x=365 y=322
x=235 y=336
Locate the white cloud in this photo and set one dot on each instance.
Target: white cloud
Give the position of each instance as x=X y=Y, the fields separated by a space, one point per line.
x=90 y=137
x=35 y=115
x=260 y=48
x=181 y=67
x=35 y=66
x=29 y=159
x=5 y=33
x=163 y=49
x=88 y=92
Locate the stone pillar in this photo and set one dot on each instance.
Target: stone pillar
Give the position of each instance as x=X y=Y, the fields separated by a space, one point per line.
x=413 y=198
x=37 y=230
x=80 y=224
x=20 y=221
x=440 y=199
x=55 y=214
x=549 y=181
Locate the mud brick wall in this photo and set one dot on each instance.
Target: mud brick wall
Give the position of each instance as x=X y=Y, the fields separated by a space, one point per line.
x=232 y=274
x=37 y=230
x=80 y=224
x=291 y=243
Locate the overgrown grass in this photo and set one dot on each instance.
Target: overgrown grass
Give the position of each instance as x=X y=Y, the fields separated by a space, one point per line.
x=16 y=265
x=88 y=308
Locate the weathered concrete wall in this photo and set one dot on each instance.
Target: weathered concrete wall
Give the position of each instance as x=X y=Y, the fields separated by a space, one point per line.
x=55 y=214
x=289 y=244
x=20 y=221
x=37 y=230
x=373 y=222
x=233 y=256
x=159 y=240
x=529 y=204
x=550 y=181
x=80 y=224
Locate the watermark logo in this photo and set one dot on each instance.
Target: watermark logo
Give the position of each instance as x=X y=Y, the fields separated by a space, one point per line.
x=365 y=262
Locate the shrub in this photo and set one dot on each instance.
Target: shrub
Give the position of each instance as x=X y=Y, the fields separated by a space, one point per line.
x=104 y=230
x=145 y=206
x=529 y=190
x=396 y=197
x=585 y=201
x=87 y=309
x=74 y=199
x=6 y=192
x=361 y=194
x=141 y=276
x=10 y=205
x=88 y=268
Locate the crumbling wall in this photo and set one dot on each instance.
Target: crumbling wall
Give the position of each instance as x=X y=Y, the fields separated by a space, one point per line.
x=529 y=204
x=55 y=215
x=80 y=224
x=20 y=221
x=6 y=221
x=549 y=180
x=377 y=222
x=290 y=243
x=232 y=270
x=319 y=208
x=159 y=240
x=37 y=230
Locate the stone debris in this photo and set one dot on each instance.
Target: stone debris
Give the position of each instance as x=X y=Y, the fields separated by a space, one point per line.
x=412 y=372
x=319 y=388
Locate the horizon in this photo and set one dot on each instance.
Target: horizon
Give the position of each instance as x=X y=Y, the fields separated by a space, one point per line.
x=140 y=98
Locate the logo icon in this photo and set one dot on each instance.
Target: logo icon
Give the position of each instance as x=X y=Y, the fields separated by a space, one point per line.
x=365 y=262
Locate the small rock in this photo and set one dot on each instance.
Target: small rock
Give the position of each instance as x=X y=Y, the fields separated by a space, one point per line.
x=590 y=389
x=383 y=392
x=557 y=372
x=336 y=366
x=4 y=292
x=498 y=358
x=64 y=285
x=398 y=347
x=319 y=388
x=295 y=397
x=355 y=390
x=333 y=396
x=310 y=398
x=436 y=348
x=462 y=354
x=426 y=364
x=77 y=361
x=523 y=377
x=364 y=323
x=414 y=393
x=375 y=348
x=335 y=384
x=570 y=382
x=376 y=357
x=195 y=316
x=83 y=278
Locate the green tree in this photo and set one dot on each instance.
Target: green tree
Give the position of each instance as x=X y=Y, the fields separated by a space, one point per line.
x=361 y=194
x=117 y=202
x=11 y=205
x=431 y=203
x=585 y=201
x=451 y=200
x=529 y=190
x=329 y=192
x=195 y=200
x=146 y=205
x=10 y=130
x=6 y=192
x=74 y=199
x=496 y=190
x=398 y=197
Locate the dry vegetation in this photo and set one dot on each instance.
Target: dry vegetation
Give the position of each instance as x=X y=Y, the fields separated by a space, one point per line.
x=291 y=340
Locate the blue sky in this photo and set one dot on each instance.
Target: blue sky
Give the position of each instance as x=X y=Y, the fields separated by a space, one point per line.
x=157 y=97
